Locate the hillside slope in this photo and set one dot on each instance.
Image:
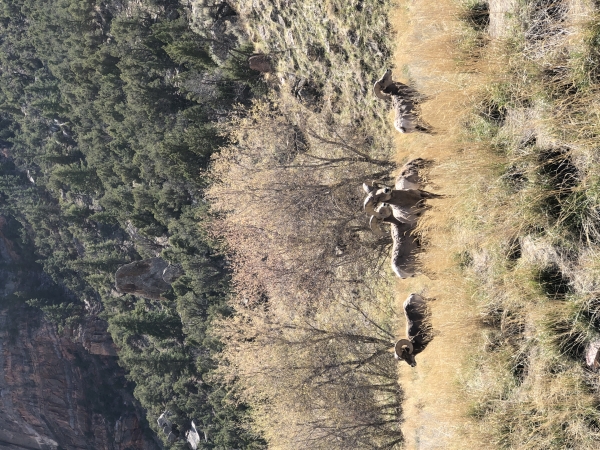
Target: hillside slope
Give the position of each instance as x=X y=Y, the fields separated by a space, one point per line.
x=512 y=251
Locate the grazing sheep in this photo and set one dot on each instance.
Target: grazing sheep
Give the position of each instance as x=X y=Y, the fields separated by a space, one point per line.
x=410 y=177
x=411 y=199
x=418 y=330
x=405 y=101
x=385 y=88
x=405 y=243
x=400 y=207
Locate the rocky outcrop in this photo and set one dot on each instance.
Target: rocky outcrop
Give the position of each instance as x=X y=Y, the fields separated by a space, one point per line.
x=54 y=394
x=143 y=278
x=95 y=338
x=148 y=278
x=128 y=431
x=592 y=354
x=193 y=437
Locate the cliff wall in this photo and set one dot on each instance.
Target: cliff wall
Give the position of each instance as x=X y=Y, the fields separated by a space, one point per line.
x=60 y=392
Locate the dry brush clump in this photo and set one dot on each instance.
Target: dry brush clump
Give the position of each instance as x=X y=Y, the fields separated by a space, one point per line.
x=289 y=190
x=323 y=380
x=309 y=348
x=310 y=345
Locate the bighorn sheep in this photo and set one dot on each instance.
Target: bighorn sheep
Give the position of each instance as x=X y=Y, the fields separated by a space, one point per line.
x=409 y=177
x=379 y=193
x=406 y=244
x=418 y=330
x=400 y=208
x=385 y=87
x=404 y=103
x=409 y=199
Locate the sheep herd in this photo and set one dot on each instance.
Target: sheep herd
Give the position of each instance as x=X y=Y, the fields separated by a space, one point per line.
x=400 y=207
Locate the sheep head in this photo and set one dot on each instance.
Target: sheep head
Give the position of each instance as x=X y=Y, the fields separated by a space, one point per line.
x=376 y=197
x=381 y=84
x=404 y=350
x=376 y=223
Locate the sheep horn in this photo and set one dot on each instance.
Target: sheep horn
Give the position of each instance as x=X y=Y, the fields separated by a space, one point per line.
x=377 y=90
x=369 y=206
x=373 y=201
x=376 y=226
x=402 y=343
x=381 y=84
x=369 y=187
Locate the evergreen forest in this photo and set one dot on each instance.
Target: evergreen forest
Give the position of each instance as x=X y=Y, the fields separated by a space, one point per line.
x=109 y=114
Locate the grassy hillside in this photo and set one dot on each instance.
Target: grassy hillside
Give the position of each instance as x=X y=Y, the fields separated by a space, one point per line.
x=108 y=127
x=513 y=252
x=538 y=287
x=309 y=346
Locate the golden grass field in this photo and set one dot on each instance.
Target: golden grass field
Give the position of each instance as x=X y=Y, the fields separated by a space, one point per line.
x=427 y=54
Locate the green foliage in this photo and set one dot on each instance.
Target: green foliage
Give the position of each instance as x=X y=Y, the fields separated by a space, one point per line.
x=97 y=108
x=63 y=314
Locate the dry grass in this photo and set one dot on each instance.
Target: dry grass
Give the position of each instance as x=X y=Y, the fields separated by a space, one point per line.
x=336 y=48
x=513 y=250
x=432 y=54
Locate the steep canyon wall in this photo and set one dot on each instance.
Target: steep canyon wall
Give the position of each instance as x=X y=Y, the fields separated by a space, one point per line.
x=59 y=392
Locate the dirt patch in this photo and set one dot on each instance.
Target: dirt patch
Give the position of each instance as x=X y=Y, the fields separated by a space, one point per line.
x=429 y=59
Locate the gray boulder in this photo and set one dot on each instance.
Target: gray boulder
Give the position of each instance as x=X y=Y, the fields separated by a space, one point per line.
x=193 y=437
x=143 y=278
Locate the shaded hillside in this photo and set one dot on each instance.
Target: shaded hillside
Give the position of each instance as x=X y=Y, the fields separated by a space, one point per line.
x=58 y=391
x=109 y=115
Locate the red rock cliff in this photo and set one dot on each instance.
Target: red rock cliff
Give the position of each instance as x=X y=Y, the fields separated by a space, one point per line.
x=53 y=394
x=59 y=392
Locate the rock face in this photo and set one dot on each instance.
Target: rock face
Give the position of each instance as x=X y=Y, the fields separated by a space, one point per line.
x=193 y=437
x=55 y=394
x=8 y=256
x=128 y=430
x=95 y=338
x=143 y=278
x=148 y=278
